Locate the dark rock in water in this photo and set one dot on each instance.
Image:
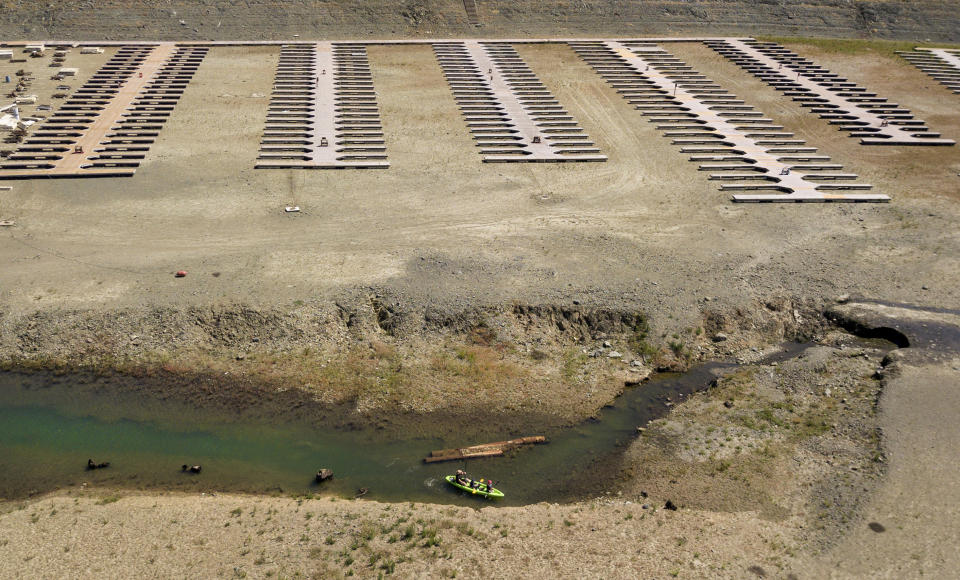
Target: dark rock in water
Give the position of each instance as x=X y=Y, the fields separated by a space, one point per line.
x=324 y=475
x=670 y=505
x=190 y=468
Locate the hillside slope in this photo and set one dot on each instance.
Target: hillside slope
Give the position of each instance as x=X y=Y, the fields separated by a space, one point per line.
x=271 y=19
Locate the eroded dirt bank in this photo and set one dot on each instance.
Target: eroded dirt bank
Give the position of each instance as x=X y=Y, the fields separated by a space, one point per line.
x=372 y=360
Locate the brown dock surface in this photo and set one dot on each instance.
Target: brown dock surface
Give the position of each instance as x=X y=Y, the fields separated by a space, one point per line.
x=512 y=115
x=323 y=113
x=105 y=128
x=738 y=143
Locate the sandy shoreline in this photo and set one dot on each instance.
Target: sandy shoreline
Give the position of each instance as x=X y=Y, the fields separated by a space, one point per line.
x=226 y=535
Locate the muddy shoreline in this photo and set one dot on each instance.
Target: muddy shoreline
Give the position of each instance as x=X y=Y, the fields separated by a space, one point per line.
x=238 y=400
x=207 y=403
x=240 y=396
x=493 y=370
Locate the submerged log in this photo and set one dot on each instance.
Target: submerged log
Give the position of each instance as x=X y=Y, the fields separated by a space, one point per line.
x=462 y=454
x=484 y=450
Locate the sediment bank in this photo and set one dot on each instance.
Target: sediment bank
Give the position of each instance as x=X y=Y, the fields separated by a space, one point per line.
x=375 y=362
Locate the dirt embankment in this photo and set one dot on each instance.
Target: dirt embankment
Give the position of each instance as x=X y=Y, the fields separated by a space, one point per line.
x=375 y=357
x=270 y=19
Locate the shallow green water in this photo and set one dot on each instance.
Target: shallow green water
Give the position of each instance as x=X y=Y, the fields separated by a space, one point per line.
x=48 y=430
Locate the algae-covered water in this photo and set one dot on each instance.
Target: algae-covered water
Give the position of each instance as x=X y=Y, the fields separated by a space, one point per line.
x=49 y=429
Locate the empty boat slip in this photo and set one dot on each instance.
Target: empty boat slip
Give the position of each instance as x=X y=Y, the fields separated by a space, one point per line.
x=512 y=116
x=943 y=64
x=107 y=126
x=864 y=114
x=743 y=149
x=323 y=111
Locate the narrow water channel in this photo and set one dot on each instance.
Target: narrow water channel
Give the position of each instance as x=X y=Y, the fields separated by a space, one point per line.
x=48 y=430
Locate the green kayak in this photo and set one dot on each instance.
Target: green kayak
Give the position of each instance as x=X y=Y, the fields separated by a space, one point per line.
x=482 y=490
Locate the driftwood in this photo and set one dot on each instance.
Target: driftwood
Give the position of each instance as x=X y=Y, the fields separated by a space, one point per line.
x=484 y=450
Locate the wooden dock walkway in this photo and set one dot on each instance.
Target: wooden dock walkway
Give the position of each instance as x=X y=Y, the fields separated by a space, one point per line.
x=323 y=112
x=512 y=115
x=105 y=128
x=714 y=126
x=863 y=113
x=943 y=64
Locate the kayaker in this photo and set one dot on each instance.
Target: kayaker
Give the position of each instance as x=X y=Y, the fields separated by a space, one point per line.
x=478 y=487
x=461 y=476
